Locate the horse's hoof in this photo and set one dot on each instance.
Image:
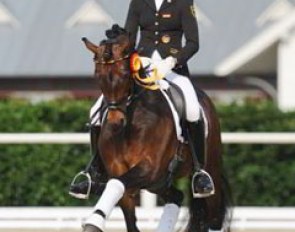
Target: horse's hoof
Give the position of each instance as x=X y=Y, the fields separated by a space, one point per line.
x=91 y=228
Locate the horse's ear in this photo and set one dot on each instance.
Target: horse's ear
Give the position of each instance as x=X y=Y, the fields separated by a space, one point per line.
x=89 y=45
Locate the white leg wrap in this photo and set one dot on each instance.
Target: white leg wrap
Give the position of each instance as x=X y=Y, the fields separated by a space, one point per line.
x=168 y=218
x=190 y=96
x=111 y=195
x=95 y=220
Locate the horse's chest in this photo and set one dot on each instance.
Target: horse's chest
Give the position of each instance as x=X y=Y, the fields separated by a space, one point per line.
x=119 y=156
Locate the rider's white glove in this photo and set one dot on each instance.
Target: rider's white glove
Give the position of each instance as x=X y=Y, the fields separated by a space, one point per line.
x=164 y=67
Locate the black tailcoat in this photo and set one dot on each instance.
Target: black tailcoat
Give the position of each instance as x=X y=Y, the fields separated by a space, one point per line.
x=163 y=30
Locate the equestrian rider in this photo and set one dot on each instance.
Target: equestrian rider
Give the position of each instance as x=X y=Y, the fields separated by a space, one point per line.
x=162 y=24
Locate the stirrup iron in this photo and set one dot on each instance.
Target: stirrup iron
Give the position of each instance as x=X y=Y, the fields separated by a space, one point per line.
x=81 y=195
x=199 y=195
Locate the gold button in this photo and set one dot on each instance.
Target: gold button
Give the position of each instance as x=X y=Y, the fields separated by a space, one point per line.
x=156 y=23
x=166 y=38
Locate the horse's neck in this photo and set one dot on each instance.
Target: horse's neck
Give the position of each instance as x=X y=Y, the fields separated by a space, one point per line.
x=144 y=111
x=153 y=102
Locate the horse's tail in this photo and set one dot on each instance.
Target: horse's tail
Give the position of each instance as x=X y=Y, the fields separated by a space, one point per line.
x=214 y=211
x=227 y=204
x=197 y=216
x=199 y=220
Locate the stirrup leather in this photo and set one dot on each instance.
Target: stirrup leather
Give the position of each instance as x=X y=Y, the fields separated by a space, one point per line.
x=202 y=195
x=81 y=195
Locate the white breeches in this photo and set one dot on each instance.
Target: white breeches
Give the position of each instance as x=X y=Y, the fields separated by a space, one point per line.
x=191 y=100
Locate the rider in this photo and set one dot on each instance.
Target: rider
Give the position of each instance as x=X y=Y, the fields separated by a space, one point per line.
x=162 y=24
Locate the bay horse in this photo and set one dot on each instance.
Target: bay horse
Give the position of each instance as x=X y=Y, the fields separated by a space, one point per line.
x=138 y=143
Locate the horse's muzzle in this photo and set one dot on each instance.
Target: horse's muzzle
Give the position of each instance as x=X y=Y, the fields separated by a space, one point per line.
x=117 y=116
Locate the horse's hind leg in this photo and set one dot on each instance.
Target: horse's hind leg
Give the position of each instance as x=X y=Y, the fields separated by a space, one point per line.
x=173 y=199
x=127 y=204
x=172 y=195
x=198 y=215
x=218 y=208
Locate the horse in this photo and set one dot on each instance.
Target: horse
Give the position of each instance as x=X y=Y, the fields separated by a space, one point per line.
x=138 y=143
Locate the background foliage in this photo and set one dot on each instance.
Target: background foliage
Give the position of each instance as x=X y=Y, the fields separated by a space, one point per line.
x=38 y=175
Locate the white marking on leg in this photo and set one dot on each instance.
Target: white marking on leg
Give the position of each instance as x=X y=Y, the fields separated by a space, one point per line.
x=168 y=218
x=111 y=195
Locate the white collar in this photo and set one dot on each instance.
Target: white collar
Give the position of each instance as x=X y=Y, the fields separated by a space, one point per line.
x=158 y=4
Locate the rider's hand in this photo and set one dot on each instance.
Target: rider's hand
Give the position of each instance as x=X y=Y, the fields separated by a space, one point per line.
x=164 y=67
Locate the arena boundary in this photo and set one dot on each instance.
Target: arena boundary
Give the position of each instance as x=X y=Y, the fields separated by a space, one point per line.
x=70 y=218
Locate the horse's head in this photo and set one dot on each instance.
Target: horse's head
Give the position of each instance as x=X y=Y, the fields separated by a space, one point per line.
x=112 y=69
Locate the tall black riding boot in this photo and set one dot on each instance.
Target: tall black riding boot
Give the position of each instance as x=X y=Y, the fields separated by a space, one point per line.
x=202 y=183
x=94 y=173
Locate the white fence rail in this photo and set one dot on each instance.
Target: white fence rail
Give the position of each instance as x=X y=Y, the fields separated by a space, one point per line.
x=70 y=218
x=83 y=138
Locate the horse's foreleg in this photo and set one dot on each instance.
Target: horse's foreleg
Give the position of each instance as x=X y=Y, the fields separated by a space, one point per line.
x=111 y=195
x=135 y=178
x=138 y=176
x=173 y=199
x=127 y=203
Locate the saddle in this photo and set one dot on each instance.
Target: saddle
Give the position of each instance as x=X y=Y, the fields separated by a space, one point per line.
x=176 y=96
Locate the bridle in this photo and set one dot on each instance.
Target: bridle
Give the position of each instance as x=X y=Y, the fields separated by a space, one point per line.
x=122 y=104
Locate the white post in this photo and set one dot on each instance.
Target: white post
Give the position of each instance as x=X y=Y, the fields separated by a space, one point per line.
x=286 y=72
